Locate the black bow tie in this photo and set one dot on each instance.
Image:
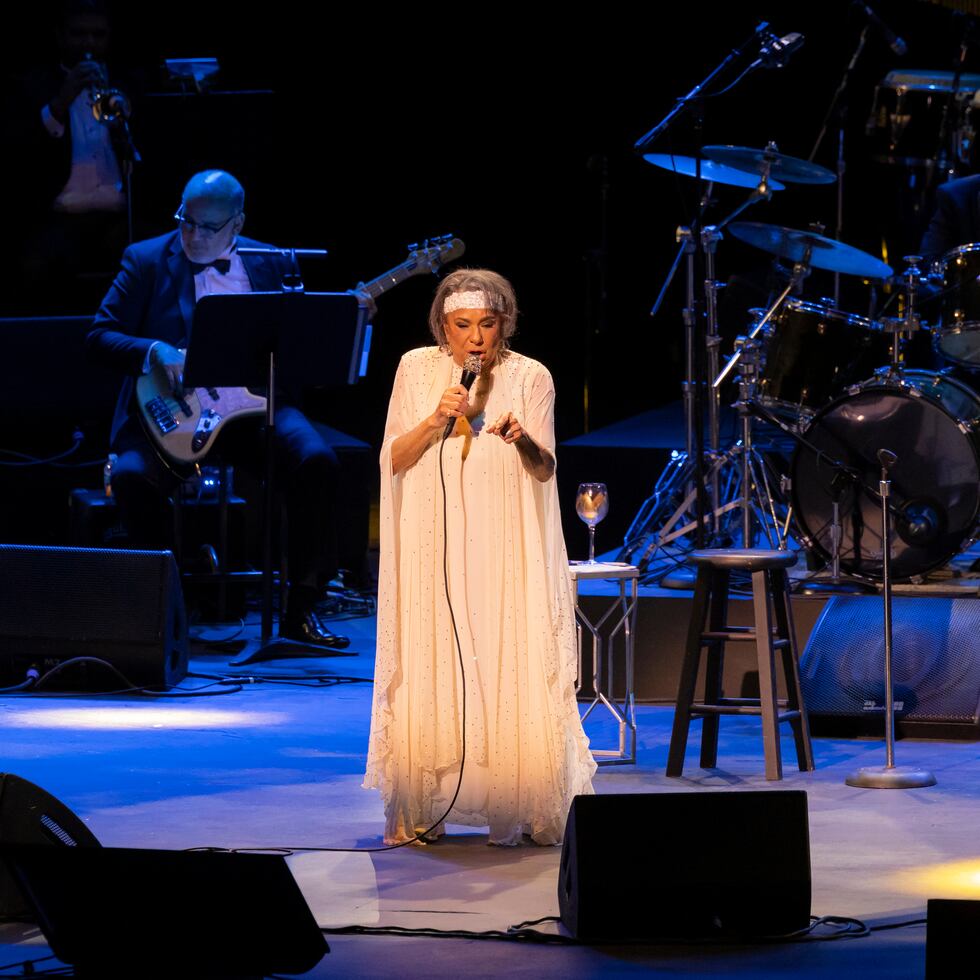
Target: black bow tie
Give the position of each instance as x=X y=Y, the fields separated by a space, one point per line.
x=222 y=266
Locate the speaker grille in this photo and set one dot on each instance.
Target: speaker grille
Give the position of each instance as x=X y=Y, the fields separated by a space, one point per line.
x=935 y=659
x=79 y=593
x=121 y=606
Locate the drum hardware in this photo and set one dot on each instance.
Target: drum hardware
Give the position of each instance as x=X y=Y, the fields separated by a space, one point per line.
x=813 y=352
x=824 y=253
x=957 y=339
x=769 y=162
x=714 y=173
x=806 y=249
x=931 y=419
x=844 y=478
x=903 y=328
x=664 y=517
x=888 y=777
x=801 y=269
x=911 y=109
x=755 y=496
x=690 y=473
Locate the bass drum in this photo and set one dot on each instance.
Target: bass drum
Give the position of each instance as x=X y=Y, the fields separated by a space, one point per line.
x=929 y=422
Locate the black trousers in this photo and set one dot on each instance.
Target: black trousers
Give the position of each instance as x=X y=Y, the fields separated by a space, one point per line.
x=306 y=475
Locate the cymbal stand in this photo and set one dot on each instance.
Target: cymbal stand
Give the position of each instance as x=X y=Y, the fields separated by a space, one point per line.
x=740 y=474
x=654 y=525
x=749 y=353
x=755 y=498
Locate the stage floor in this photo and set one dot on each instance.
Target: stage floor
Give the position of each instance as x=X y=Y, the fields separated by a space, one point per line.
x=279 y=765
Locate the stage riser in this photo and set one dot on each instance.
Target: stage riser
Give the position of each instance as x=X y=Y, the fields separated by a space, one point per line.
x=661 y=633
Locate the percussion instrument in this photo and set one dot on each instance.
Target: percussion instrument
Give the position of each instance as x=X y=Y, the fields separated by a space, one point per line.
x=958 y=337
x=929 y=421
x=813 y=352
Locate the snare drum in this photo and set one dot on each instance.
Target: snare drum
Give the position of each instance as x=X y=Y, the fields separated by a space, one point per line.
x=958 y=337
x=813 y=352
x=930 y=422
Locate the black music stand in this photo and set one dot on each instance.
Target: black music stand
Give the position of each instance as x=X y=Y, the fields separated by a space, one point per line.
x=282 y=342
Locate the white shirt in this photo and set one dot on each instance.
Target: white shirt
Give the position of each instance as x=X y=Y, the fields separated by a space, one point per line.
x=209 y=281
x=95 y=181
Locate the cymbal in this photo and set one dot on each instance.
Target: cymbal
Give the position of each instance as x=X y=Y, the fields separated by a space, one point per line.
x=791 y=169
x=825 y=253
x=715 y=172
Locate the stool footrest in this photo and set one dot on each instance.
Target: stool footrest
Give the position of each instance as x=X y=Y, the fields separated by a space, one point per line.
x=732 y=637
x=749 y=708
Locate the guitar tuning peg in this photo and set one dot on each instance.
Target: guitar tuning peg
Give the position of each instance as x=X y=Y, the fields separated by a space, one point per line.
x=413 y=247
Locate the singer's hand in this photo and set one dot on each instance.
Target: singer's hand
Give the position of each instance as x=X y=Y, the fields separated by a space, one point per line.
x=454 y=403
x=508 y=428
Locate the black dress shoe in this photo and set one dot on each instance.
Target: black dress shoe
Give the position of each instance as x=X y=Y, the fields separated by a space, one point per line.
x=312 y=632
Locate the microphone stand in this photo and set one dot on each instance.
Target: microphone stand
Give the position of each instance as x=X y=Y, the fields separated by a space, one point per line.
x=838 y=102
x=890 y=776
x=696 y=93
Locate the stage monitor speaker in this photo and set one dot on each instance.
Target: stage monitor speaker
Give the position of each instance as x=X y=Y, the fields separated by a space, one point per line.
x=935 y=667
x=124 y=607
x=118 y=912
x=656 y=866
x=951 y=937
x=29 y=815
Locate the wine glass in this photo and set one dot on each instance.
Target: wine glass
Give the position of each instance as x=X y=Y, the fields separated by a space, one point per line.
x=592 y=505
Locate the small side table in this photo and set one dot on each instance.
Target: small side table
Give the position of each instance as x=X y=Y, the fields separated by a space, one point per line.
x=605 y=630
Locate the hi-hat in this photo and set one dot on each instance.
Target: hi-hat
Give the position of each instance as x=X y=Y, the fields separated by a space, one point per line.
x=791 y=169
x=715 y=172
x=824 y=253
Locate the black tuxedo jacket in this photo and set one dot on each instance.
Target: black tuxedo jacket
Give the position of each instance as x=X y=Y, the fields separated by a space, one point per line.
x=956 y=220
x=152 y=298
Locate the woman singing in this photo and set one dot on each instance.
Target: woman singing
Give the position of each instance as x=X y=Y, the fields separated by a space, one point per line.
x=506 y=572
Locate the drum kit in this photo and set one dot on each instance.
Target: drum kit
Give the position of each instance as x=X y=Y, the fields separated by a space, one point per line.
x=836 y=383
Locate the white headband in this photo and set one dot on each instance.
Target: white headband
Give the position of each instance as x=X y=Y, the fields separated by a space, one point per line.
x=474 y=300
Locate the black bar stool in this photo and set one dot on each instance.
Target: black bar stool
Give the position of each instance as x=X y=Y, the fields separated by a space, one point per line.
x=772 y=631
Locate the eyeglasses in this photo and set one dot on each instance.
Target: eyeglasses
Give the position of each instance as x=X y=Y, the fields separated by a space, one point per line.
x=203 y=228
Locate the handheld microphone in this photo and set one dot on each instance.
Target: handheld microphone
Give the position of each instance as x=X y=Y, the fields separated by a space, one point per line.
x=471 y=371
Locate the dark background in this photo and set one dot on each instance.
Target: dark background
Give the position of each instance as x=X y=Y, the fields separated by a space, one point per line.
x=508 y=126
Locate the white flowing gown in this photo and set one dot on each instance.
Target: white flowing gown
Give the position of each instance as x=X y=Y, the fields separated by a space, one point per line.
x=526 y=755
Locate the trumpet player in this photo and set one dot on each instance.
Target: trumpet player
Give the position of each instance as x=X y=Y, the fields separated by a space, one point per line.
x=74 y=198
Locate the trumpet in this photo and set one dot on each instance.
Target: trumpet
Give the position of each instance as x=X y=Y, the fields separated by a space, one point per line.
x=110 y=106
